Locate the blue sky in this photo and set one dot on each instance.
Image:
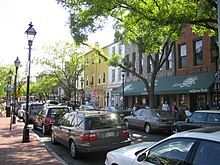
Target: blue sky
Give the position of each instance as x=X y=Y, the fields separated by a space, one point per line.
x=50 y=22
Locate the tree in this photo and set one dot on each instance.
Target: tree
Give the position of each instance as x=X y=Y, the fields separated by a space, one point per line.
x=152 y=25
x=66 y=62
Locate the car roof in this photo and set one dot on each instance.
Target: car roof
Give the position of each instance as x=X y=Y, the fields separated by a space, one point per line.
x=56 y=106
x=208 y=111
x=208 y=133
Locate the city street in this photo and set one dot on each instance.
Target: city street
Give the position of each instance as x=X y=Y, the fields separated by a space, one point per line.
x=90 y=159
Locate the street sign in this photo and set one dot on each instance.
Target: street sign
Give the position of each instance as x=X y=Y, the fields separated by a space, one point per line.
x=10 y=87
x=217 y=78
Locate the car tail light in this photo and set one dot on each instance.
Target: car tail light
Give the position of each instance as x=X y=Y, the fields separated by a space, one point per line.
x=125 y=133
x=89 y=137
x=48 y=120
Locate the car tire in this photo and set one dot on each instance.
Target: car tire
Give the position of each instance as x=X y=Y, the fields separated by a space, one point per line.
x=53 y=140
x=147 y=128
x=175 y=130
x=73 y=150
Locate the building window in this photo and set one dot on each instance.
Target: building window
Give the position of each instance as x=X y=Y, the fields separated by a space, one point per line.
x=120 y=48
x=141 y=63
x=103 y=78
x=149 y=65
x=87 y=80
x=183 y=57
x=99 y=78
x=133 y=61
x=170 y=61
x=113 y=50
x=198 y=52
x=113 y=75
x=92 y=81
x=119 y=74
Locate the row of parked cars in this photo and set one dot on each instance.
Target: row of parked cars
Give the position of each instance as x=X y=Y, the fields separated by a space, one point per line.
x=86 y=129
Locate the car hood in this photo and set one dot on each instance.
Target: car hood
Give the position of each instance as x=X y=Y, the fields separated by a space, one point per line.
x=126 y=154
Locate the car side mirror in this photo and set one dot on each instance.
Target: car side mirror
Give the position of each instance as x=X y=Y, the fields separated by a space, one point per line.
x=142 y=156
x=187 y=120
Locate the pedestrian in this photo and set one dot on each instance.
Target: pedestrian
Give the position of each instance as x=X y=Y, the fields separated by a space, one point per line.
x=174 y=111
x=187 y=112
x=207 y=105
x=165 y=106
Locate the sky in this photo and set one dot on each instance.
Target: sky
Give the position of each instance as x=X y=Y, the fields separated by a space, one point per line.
x=50 y=22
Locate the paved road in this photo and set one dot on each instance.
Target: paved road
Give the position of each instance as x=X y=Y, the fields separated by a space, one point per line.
x=96 y=158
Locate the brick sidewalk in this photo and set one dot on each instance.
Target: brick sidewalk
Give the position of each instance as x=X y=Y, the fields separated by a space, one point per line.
x=13 y=151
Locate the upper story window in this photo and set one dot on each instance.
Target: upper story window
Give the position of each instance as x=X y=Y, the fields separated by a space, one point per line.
x=113 y=50
x=149 y=65
x=120 y=48
x=133 y=61
x=119 y=74
x=170 y=61
x=141 y=63
x=92 y=81
x=198 y=60
x=103 y=78
x=87 y=80
x=99 y=78
x=182 y=56
x=113 y=75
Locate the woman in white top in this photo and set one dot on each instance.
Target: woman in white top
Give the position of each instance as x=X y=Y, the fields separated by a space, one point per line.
x=165 y=106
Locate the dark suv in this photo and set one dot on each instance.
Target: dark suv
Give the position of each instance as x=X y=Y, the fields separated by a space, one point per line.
x=46 y=116
x=201 y=118
x=90 y=131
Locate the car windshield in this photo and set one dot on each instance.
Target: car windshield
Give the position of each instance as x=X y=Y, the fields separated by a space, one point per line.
x=160 y=113
x=35 y=108
x=103 y=121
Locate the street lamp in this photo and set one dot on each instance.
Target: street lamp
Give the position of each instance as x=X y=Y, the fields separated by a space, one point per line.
x=30 y=35
x=8 y=96
x=123 y=90
x=17 y=64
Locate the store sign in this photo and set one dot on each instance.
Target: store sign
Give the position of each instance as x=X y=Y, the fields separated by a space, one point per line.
x=198 y=90
x=188 y=82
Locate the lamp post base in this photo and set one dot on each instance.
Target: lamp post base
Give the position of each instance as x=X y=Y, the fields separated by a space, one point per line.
x=14 y=119
x=25 y=135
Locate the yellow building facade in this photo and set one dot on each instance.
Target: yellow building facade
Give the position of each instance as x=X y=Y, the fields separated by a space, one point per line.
x=96 y=79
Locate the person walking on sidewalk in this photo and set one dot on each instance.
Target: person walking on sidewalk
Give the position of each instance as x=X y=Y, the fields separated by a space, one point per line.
x=165 y=106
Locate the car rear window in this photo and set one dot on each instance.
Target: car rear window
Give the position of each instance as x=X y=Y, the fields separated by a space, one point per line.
x=59 y=111
x=161 y=113
x=103 y=121
x=35 y=108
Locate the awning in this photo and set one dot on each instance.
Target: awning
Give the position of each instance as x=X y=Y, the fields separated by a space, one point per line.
x=193 y=83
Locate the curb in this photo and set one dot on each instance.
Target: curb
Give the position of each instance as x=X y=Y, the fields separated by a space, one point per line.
x=49 y=149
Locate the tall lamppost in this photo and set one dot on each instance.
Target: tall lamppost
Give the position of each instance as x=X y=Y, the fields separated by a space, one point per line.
x=17 y=64
x=30 y=35
x=123 y=90
x=8 y=95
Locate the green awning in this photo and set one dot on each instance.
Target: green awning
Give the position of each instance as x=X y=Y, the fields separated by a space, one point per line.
x=193 y=83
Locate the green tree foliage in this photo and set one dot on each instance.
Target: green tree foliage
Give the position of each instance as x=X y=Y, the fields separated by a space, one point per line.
x=153 y=25
x=66 y=62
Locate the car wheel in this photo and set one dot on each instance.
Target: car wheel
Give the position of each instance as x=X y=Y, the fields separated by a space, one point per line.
x=73 y=150
x=53 y=140
x=175 y=130
x=44 y=130
x=147 y=128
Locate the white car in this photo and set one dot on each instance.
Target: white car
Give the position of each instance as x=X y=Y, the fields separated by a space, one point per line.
x=198 y=147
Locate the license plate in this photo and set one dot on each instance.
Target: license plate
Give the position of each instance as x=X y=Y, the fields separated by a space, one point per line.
x=110 y=134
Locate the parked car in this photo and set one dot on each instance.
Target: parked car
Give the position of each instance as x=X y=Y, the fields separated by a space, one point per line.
x=45 y=117
x=32 y=109
x=90 y=131
x=51 y=102
x=118 y=110
x=150 y=119
x=197 y=147
x=21 y=111
x=200 y=118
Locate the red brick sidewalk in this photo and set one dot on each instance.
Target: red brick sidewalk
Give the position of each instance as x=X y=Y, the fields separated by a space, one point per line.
x=13 y=151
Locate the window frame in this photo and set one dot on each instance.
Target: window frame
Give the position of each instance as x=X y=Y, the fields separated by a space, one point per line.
x=182 y=56
x=196 y=55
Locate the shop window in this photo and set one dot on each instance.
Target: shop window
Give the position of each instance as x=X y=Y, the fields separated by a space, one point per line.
x=201 y=102
x=183 y=100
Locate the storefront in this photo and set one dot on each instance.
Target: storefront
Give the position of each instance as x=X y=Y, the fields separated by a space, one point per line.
x=191 y=90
